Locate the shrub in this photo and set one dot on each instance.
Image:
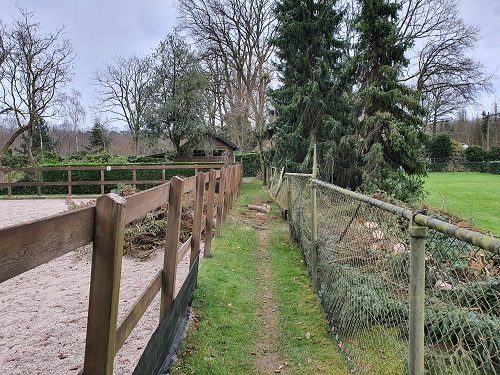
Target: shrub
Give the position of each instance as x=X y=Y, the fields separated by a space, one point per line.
x=250 y=163
x=494 y=154
x=476 y=154
x=25 y=190
x=439 y=146
x=493 y=167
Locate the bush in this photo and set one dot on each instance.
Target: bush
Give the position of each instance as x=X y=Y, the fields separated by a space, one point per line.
x=493 y=167
x=439 y=146
x=494 y=154
x=476 y=154
x=250 y=163
x=25 y=190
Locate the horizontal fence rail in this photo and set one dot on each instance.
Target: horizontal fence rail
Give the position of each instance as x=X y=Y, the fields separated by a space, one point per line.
x=404 y=292
x=42 y=178
x=104 y=227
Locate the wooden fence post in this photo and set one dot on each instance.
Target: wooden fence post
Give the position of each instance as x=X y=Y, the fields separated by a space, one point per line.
x=102 y=181
x=198 y=217
x=39 y=180
x=210 y=213
x=109 y=230
x=69 y=183
x=9 y=180
x=220 y=202
x=232 y=186
x=227 y=191
x=171 y=245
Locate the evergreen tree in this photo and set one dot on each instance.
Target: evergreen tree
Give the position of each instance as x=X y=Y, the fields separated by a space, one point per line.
x=179 y=103
x=42 y=143
x=99 y=138
x=311 y=102
x=391 y=140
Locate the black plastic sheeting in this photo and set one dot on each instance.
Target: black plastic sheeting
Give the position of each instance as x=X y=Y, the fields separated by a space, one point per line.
x=166 y=339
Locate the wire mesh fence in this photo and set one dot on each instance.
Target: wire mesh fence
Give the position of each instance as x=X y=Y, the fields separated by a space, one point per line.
x=364 y=282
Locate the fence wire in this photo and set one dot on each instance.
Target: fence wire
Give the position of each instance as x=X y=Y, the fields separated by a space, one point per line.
x=363 y=271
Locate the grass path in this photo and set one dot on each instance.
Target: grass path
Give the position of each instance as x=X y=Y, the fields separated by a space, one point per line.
x=254 y=311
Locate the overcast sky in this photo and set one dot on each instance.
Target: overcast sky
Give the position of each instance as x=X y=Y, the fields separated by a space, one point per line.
x=101 y=29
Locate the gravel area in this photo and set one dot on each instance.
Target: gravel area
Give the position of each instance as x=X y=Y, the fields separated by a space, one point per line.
x=43 y=312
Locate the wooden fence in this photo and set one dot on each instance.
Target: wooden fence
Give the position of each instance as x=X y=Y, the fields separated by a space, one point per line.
x=7 y=174
x=104 y=226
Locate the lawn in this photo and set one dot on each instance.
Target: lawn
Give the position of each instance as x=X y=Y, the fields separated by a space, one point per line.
x=472 y=196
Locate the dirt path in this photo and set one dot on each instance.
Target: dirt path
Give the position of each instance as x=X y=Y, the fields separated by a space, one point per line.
x=267 y=359
x=43 y=312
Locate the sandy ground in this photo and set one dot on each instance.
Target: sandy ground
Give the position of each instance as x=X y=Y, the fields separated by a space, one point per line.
x=43 y=312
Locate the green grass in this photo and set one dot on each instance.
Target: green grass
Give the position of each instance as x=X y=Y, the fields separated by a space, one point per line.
x=300 y=312
x=225 y=305
x=227 y=302
x=472 y=196
x=382 y=343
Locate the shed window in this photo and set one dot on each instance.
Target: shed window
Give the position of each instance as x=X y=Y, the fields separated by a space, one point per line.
x=198 y=153
x=218 y=152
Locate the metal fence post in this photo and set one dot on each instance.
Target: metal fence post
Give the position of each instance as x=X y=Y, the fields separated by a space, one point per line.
x=314 y=226
x=417 y=297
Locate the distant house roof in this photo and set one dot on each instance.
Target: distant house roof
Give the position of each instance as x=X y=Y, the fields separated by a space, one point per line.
x=227 y=142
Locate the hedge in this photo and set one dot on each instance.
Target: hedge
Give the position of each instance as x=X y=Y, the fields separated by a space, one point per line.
x=95 y=175
x=250 y=163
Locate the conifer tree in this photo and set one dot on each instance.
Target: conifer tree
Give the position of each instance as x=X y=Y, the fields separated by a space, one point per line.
x=311 y=103
x=390 y=136
x=42 y=143
x=99 y=138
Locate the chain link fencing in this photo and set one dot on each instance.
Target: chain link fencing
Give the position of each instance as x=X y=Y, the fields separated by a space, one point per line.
x=364 y=281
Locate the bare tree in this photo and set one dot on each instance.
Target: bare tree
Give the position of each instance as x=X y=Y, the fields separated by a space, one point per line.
x=4 y=53
x=123 y=90
x=72 y=115
x=235 y=35
x=441 y=69
x=37 y=66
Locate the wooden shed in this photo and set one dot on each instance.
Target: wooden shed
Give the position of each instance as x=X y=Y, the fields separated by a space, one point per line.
x=213 y=149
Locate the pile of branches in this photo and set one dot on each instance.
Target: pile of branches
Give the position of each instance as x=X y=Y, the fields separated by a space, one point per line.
x=146 y=235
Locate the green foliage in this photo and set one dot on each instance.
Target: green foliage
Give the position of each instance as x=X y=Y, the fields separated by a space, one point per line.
x=14 y=161
x=25 y=190
x=494 y=154
x=473 y=335
x=42 y=145
x=389 y=132
x=99 y=139
x=398 y=184
x=476 y=153
x=250 y=163
x=493 y=167
x=439 y=146
x=311 y=104
x=179 y=88
x=483 y=296
x=349 y=295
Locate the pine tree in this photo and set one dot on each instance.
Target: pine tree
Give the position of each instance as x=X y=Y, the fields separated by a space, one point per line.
x=311 y=102
x=391 y=140
x=42 y=143
x=99 y=138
